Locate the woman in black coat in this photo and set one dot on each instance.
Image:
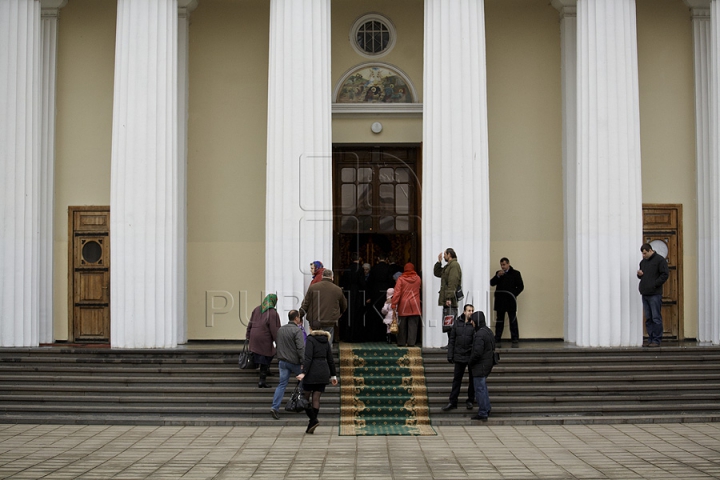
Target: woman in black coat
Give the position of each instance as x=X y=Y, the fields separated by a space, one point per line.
x=318 y=371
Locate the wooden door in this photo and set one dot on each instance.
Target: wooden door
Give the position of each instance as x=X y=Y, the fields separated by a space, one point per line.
x=89 y=287
x=376 y=203
x=662 y=228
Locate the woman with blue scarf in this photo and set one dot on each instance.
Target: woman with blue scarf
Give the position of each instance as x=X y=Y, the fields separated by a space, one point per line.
x=262 y=333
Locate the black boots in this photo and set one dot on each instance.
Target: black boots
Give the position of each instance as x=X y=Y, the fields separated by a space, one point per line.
x=312 y=414
x=263 y=376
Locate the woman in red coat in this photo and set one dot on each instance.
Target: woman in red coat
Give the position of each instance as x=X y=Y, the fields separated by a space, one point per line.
x=262 y=332
x=406 y=300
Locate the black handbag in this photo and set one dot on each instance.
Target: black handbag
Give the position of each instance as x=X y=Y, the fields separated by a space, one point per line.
x=245 y=360
x=459 y=293
x=297 y=403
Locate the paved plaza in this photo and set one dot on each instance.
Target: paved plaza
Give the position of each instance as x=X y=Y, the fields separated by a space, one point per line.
x=652 y=451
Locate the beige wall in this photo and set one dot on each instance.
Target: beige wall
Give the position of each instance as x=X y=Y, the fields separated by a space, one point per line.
x=667 y=125
x=525 y=132
x=85 y=69
x=227 y=131
x=226 y=161
x=407 y=54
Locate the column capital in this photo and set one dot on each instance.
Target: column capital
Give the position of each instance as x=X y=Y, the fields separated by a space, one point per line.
x=697 y=3
x=699 y=8
x=565 y=7
x=186 y=6
x=51 y=8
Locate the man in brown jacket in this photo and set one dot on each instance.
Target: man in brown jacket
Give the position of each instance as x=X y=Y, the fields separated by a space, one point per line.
x=324 y=303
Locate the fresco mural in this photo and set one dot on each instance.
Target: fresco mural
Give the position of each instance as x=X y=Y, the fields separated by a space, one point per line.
x=374 y=84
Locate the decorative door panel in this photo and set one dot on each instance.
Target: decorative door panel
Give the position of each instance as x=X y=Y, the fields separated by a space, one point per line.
x=90 y=274
x=662 y=229
x=91 y=324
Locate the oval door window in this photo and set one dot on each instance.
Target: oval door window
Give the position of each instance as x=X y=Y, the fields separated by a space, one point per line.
x=91 y=252
x=660 y=247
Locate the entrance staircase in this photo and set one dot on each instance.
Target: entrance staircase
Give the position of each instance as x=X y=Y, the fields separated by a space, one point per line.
x=202 y=385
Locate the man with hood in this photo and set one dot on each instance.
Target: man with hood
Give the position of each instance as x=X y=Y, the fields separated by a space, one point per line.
x=406 y=301
x=482 y=359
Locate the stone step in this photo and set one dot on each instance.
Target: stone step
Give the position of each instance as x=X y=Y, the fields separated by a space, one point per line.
x=185 y=387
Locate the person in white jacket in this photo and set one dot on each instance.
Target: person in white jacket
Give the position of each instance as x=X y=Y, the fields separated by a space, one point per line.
x=387 y=311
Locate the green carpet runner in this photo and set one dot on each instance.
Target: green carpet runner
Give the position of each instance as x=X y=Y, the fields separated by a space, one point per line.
x=382 y=390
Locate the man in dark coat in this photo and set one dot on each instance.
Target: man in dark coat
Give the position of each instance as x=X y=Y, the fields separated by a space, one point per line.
x=459 y=349
x=653 y=273
x=481 y=364
x=353 y=284
x=508 y=285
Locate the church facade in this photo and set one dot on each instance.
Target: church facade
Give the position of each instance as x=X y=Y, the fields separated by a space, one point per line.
x=164 y=164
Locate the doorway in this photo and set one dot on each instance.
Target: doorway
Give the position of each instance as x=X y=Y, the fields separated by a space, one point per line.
x=89 y=274
x=376 y=216
x=662 y=229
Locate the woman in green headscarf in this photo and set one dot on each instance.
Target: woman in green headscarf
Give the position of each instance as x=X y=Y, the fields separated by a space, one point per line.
x=262 y=333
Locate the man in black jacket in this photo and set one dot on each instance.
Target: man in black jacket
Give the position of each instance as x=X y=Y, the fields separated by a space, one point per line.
x=459 y=348
x=481 y=364
x=653 y=273
x=508 y=285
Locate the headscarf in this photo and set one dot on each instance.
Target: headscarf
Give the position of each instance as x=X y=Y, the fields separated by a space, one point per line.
x=269 y=302
x=389 y=293
x=409 y=270
x=318 y=264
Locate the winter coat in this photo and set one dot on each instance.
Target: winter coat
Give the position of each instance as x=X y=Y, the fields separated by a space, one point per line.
x=461 y=340
x=406 y=298
x=324 y=303
x=655 y=274
x=319 y=365
x=450 y=279
x=262 y=331
x=507 y=289
x=388 y=310
x=483 y=351
x=290 y=344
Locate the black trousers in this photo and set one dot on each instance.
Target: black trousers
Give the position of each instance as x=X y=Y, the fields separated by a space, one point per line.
x=500 y=325
x=457 y=382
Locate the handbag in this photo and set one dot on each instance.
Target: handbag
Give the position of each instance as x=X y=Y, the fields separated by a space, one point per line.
x=459 y=293
x=449 y=314
x=297 y=402
x=394 y=324
x=245 y=360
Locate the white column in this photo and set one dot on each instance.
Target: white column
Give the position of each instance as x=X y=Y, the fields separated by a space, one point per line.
x=708 y=279
x=20 y=100
x=455 y=155
x=568 y=56
x=184 y=9
x=50 y=13
x=298 y=210
x=608 y=191
x=144 y=193
x=707 y=90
